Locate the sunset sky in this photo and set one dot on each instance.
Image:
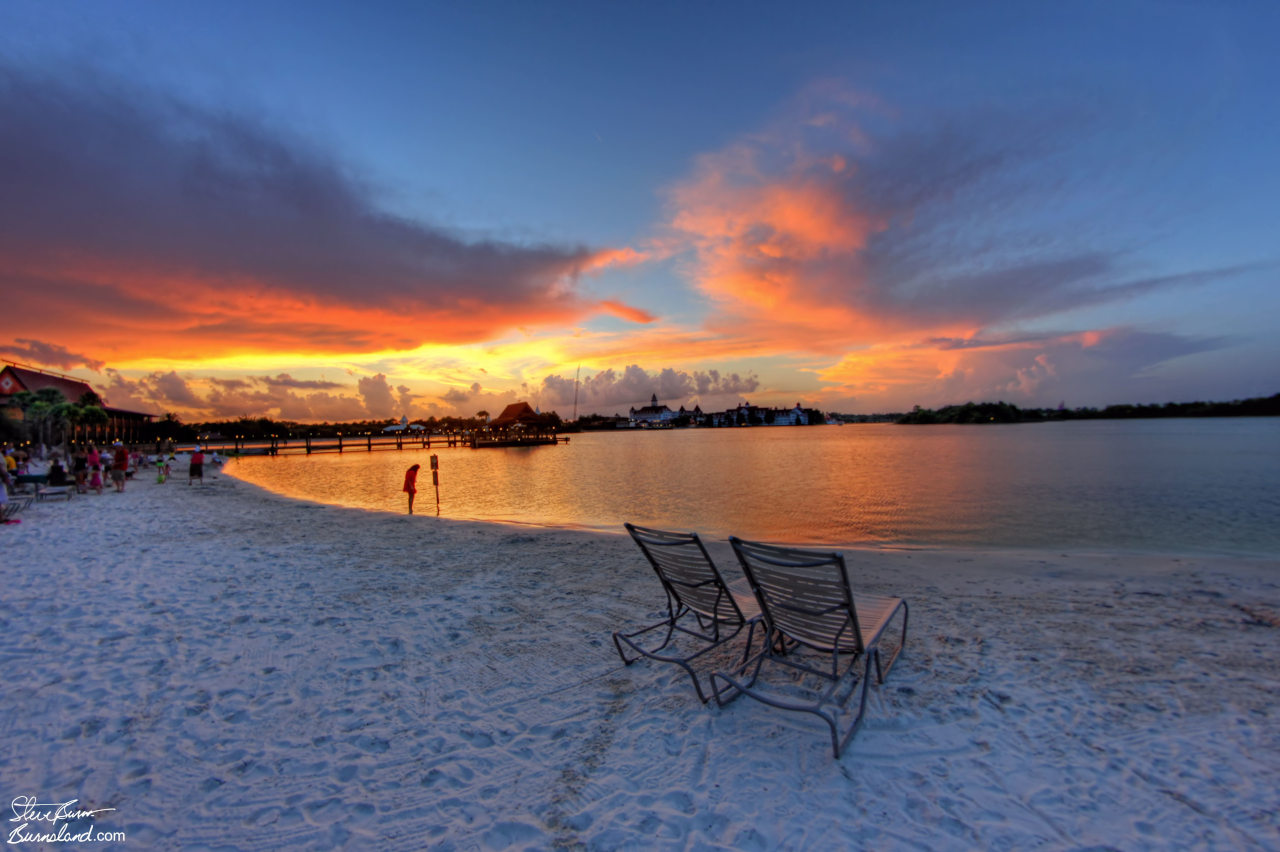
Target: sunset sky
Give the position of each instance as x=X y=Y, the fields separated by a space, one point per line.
x=336 y=211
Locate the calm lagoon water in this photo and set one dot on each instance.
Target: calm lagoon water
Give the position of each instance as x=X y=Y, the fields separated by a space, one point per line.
x=1178 y=485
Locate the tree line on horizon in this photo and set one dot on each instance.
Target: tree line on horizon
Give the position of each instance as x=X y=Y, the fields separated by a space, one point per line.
x=48 y=417
x=1004 y=412
x=171 y=427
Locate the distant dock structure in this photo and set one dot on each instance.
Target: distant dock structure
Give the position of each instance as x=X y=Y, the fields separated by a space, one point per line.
x=518 y=426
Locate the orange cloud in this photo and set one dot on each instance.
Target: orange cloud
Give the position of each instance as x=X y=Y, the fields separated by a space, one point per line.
x=143 y=313
x=622 y=257
x=816 y=237
x=627 y=312
x=132 y=225
x=767 y=235
x=944 y=370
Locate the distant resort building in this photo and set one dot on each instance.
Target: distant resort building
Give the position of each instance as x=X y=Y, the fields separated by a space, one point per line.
x=753 y=415
x=695 y=416
x=789 y=416
x=654 y=415
x=404 y=425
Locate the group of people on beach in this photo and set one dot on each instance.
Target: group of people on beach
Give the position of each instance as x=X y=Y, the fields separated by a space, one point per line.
x=88 y=465
x=88 y=468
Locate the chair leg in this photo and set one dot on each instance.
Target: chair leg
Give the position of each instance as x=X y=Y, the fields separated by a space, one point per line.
x=751 y=633
x=620 y=637
x=725 y=687
x=733 y=688
x=838 y=744
x=714 y=641
x=881 y=674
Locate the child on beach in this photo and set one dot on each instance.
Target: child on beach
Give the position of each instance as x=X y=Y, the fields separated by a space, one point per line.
x=411 y=484
x=94 y=459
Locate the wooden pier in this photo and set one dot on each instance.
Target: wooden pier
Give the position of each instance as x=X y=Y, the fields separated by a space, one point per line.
x=312 y=444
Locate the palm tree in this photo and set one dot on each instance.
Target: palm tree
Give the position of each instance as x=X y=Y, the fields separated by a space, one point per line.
x=40 y=410
x=93 y=416
x=65 y=416
x=53 y=396
x=36 y=415
x=23 y=399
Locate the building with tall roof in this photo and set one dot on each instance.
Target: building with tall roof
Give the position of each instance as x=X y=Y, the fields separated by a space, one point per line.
x=15 y=379
x=653 y=413
x=121 y=422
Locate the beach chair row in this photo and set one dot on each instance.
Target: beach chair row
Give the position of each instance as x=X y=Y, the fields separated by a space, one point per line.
x=812 y=643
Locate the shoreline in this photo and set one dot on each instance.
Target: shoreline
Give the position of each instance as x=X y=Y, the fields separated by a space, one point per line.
x=227 y=666
x=994 y=551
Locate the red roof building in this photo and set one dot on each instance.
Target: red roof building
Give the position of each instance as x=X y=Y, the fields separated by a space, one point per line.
x=15 y=378
x=517 y=413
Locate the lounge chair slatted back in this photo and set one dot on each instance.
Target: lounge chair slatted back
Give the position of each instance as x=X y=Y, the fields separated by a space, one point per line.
x=702 y=609
x=687 y=572
x=809 y=610
x=807 y=594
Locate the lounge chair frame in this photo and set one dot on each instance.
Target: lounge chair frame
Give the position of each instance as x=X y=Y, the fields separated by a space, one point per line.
x=694 y=588
x=810 y=612
x=13 y=506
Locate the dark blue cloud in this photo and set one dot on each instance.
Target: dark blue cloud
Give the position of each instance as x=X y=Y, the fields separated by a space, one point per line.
x=103 y=180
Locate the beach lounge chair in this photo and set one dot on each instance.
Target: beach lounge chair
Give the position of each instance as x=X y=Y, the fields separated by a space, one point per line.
x=818 y=629
x=48 y=492
x=703 y=612
x=11 y=507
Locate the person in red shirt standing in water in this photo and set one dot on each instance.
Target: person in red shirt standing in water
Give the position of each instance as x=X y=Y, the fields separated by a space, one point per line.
x=411 y=484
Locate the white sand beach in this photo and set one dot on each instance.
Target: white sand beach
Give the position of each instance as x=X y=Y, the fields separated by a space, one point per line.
x=228 y=669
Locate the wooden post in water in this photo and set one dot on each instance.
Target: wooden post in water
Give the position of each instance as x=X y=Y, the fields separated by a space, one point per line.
x=435 y=479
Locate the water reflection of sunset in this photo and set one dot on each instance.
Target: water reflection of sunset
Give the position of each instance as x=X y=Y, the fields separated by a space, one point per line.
x=1104 y=484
